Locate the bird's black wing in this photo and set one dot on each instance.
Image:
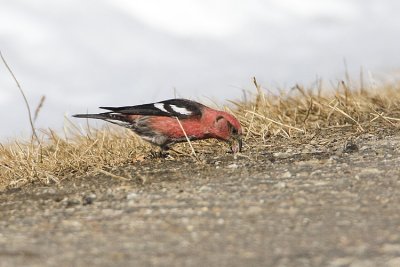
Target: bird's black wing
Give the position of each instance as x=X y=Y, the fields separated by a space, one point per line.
x=180 y=108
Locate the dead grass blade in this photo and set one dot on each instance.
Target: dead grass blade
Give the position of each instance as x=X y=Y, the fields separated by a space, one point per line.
x=274 y=121
x=23 y=96
x=188 y=140
x=38 y=108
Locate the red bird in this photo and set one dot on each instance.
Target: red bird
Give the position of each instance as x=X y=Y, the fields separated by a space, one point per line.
x=158 y=122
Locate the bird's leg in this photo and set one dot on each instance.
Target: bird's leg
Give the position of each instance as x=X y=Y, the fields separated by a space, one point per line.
x=153 y=154
x=162 y=153
x=158 y=154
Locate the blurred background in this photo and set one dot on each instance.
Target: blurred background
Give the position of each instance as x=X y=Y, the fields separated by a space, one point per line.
x=85 y=54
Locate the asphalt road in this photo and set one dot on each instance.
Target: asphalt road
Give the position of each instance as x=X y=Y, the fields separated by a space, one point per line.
x=332 y=201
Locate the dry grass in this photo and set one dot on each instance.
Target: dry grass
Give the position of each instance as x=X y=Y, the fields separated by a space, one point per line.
x=57 y=157
x=297 y=112
x=301 y=111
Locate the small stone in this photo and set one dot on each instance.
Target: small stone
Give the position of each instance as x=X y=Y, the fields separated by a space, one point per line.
x=58 y=198
x=69 y=210
x=320 y=183
x=302 y=174
x=204 y=188
x=287 y=174
x=280 y=185
x=50 y=191
x=204 y=209
x=88 y=199
x=233 y=166
x=370 y=171
x=350 y=147
x=281 y=155
x=131 y=196
x=317 y=172
x=72 y=202
x=72 y=224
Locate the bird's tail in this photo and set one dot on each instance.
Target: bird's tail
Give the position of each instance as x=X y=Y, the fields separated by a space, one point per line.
x=107 y=116
x=115 y=118
x=101 y=116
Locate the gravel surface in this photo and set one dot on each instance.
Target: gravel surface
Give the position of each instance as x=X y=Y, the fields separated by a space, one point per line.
x=330 y=201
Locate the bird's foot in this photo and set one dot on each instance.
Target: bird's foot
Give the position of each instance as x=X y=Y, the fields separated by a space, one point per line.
x=161 y=154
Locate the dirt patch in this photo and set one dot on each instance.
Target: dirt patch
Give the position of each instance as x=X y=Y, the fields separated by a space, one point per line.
x=328 y=199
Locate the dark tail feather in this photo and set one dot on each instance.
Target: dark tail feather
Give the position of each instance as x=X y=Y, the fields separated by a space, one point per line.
x=101 y=116
x=107 y=116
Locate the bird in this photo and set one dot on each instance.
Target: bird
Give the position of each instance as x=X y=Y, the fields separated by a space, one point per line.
x=172 y=121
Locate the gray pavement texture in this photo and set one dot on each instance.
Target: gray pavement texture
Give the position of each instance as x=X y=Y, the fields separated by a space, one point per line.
x=331 y=201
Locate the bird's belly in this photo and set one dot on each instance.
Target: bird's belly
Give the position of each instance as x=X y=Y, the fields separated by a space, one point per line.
x=158 y=140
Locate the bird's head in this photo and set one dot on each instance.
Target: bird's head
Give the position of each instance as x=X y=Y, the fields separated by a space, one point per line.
x=227 y=128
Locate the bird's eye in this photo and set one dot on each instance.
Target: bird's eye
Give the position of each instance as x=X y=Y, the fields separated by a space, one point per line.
x=232 y=128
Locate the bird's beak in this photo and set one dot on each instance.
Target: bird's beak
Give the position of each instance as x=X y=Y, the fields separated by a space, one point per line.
x=236 y=143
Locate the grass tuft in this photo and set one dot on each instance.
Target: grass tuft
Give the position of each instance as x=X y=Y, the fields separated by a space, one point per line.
x=58 y=157
x=301 y=111
x=263 y=115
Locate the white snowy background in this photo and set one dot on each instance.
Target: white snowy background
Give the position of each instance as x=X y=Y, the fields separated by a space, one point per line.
x=82 y=54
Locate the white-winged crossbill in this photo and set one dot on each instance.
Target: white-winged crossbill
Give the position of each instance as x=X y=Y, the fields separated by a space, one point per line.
x=158 y=122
